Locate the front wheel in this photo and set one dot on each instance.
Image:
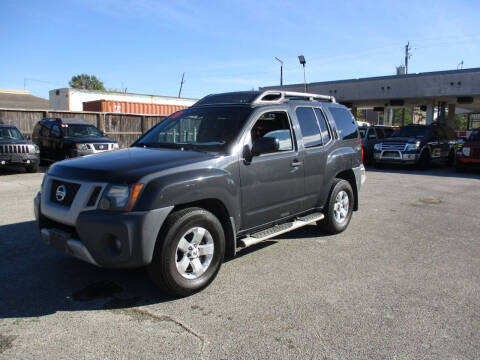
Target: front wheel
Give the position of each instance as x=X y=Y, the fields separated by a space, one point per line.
x=424 y=161
x=189 y=252
x=339 y=208
x=32 y=168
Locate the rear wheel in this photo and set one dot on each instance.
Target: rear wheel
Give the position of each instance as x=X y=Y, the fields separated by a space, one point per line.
x=189 y=252
x=339 y=208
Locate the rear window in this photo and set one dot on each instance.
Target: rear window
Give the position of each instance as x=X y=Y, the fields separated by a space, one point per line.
x=346 y=124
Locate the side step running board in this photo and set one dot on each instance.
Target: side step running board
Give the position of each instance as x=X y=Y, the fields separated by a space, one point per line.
x=269 y=233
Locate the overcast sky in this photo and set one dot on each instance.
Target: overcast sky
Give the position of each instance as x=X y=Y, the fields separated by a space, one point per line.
x=146 y=45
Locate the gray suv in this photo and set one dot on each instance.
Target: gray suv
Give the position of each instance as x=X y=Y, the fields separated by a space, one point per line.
x=233 y=170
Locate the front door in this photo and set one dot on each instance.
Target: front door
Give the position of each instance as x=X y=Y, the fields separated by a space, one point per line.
x=272 y=184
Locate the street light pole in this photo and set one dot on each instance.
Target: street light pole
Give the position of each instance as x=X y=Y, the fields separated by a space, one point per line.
x=281 y=70
x=301 y=58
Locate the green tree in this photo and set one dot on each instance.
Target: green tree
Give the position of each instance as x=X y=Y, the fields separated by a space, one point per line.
x=84 y=81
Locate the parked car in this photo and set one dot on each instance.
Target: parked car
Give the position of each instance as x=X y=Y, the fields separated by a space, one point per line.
x=231 y=171
x=16 y=150
x=372 y=135
x=468 y=155
x=64 y=138
x=417 y=144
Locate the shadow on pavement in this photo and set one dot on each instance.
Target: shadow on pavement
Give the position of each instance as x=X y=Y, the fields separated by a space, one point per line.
x=16 y=169
x=435 y=170
x=36 y=280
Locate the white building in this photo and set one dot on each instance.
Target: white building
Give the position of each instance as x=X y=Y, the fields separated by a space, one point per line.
x=73 y=99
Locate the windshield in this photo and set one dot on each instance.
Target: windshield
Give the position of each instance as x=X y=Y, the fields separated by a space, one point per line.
x=209 y=128
x=79 y=130
x=10 y=133
x=475 y=135
x=411 y=131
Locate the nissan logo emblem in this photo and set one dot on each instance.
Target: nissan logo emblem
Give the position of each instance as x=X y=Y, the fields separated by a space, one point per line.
x=101 y=147
x=61 y=193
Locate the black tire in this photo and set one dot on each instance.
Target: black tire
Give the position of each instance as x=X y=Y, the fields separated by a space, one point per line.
x=451 y=158
x=32 y=168
x=163 y=269
x=424 y=161
x=330 y=224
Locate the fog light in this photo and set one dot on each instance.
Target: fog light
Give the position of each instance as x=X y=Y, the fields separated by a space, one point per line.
x=118 y=245
x=3 y=162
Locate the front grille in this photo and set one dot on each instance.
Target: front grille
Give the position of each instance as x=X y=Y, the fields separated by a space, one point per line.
x=100 y=146
x=93 y=198
x=400 y=146
x=71 y=190
x=14 y=149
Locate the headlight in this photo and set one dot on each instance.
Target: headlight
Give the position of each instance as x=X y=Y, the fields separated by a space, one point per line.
x=414 y=146
x=377 y=146
x=120 y=197
x=82 y=146
x=34 y=149
x=466 y=151
x=115 y=146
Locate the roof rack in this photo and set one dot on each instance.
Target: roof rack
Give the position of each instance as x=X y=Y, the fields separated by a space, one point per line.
x=275 y=97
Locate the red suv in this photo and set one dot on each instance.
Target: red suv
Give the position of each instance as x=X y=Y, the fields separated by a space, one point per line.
x=468 y=156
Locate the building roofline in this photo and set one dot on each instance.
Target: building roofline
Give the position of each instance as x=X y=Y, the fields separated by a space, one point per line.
x=107 y=92
x=389 y=77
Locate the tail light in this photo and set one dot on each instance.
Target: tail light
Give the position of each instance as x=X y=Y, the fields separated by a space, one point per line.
x=361 y=146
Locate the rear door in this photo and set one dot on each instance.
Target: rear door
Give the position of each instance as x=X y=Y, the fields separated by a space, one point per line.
x=272 y=185
x=316 y=140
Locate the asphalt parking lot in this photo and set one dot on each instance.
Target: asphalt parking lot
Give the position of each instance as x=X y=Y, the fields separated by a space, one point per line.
x=403 y=282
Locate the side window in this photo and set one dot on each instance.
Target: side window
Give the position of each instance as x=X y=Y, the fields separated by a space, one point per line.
x=346 y=124
x=323 y=126
x=275 y=125
x=309 y=126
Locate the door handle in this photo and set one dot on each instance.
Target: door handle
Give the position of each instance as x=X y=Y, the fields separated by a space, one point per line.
x=296 y=163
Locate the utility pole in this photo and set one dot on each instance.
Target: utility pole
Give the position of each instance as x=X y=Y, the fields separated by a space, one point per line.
x=181 y=85
x=407 y=56
x=281 y=71
x=460 y=65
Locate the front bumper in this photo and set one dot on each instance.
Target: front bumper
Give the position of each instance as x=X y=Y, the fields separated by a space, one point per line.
x=396 y=157
x=105 y=238
x=19 y=159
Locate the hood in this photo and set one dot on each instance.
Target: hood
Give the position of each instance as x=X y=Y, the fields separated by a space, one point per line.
x=81 y=140
x=15 y=142
x=125 y=166
x=403 y=139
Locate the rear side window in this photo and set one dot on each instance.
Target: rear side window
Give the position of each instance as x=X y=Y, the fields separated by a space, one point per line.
x=346 y=124
x=323 y=126
x=309 y=127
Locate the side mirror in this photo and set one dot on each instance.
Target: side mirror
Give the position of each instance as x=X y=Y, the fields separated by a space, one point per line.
x=265 y=145
x=104 y=134
x=247 y=154
x=27 y=137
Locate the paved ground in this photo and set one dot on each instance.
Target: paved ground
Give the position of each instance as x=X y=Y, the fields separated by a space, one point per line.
x=403 y=282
